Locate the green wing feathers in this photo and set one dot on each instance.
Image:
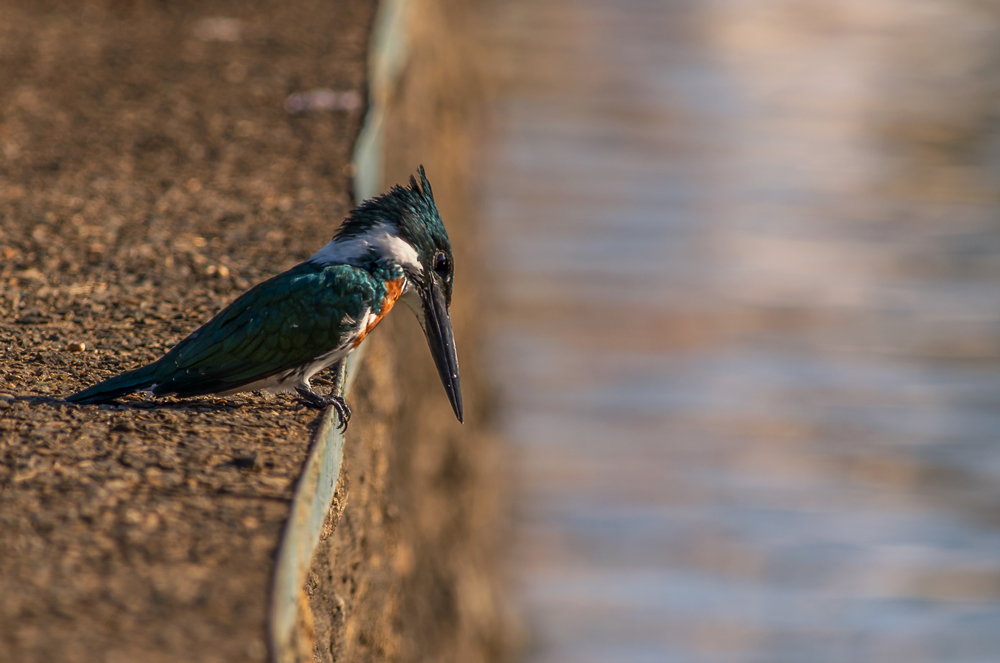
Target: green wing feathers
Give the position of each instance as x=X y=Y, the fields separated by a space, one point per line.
x=280 y=324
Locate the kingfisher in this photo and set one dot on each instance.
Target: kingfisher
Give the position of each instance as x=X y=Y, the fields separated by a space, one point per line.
x=282 y=332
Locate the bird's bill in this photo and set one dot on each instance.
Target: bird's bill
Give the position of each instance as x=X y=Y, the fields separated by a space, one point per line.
x=441 y=339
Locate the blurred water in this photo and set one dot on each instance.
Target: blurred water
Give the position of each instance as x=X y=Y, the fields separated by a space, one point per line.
x=748 y=253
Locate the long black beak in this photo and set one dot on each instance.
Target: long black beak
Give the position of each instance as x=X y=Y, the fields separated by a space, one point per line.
x=437 y=328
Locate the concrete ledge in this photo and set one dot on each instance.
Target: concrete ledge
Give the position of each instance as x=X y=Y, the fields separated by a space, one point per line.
x=291 y=630
x=149 y=175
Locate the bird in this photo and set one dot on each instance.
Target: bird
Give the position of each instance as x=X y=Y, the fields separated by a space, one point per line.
x=280 y=333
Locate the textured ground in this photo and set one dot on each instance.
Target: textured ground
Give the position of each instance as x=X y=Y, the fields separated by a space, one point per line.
x=148 y=174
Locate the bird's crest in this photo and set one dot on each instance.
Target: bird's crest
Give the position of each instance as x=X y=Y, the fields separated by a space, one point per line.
x=411 y=210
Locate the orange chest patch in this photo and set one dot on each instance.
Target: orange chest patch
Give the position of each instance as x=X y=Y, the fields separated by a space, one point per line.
x=393 y=289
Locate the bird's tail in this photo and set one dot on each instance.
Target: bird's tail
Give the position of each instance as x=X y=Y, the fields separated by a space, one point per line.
x=112 y=388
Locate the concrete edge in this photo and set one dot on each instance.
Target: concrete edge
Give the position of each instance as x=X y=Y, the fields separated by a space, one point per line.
x=288 y=633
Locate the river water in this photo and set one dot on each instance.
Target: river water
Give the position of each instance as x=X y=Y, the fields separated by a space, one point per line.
x=748 y=258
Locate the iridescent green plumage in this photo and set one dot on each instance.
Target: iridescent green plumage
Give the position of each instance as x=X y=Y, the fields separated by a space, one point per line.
x=277 y=326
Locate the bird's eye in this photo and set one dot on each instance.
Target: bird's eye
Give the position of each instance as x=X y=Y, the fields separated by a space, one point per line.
x=441 y=264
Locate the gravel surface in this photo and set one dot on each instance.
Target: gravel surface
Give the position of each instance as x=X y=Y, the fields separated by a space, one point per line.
x=149 y=173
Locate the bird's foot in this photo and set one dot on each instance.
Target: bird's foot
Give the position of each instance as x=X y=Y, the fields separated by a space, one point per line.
x=310 y=398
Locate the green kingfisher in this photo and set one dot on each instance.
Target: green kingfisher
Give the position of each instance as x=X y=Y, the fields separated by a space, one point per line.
x=280 y=333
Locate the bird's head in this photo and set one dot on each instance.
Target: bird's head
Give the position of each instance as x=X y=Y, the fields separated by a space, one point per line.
x=402 y=229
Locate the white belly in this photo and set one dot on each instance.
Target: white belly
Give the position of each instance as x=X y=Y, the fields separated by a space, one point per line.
x=296 y=377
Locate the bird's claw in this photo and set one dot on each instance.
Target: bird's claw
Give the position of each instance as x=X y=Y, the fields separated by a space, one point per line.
x=343 y=412
x=310 y=398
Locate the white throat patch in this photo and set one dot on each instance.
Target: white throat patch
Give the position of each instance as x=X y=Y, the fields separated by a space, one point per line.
x=382 y=238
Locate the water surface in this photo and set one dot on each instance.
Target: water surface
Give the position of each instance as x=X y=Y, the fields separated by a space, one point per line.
x=749 y=260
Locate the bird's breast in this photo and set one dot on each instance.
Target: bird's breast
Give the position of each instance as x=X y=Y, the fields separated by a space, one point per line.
x=393 y=289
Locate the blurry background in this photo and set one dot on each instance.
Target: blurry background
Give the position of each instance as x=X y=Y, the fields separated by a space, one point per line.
x=748 y=254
